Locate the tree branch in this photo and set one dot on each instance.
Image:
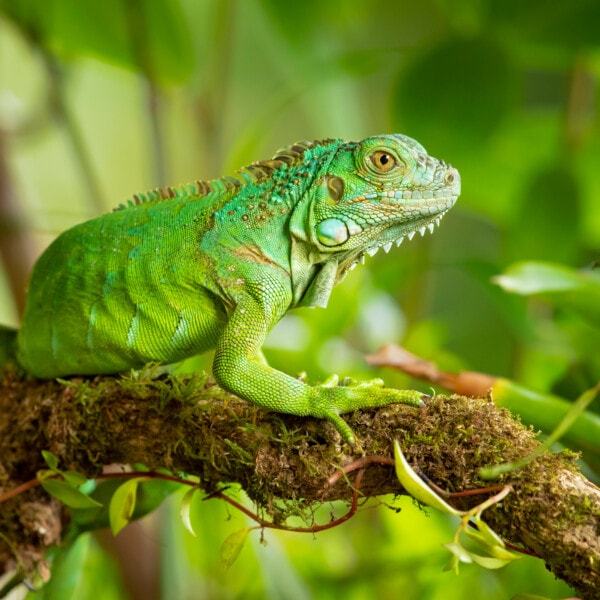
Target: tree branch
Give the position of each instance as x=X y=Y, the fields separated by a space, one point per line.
x=188 y=425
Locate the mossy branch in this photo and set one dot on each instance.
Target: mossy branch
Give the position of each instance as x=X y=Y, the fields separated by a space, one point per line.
x=191 y=426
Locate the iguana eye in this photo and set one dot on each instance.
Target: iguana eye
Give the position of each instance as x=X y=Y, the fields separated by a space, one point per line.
x=383 y=161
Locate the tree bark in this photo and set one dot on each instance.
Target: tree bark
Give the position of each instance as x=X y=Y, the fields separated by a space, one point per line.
x=191 y=426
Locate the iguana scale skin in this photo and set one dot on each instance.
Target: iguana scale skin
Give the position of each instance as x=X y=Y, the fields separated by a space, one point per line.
x=215 y=265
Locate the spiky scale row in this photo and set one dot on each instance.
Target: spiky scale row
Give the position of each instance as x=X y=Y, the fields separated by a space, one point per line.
x=256 y=172
x=388 y=246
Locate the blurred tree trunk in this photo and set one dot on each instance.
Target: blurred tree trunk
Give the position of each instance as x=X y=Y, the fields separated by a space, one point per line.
x=16 y=249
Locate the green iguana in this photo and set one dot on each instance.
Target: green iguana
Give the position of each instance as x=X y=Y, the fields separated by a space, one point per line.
x=179 y=271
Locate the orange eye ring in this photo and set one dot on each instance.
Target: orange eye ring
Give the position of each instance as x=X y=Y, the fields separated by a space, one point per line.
x=383 y=161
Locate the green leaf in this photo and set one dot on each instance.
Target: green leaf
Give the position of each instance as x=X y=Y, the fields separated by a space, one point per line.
x=457 y=550
x=185 y=510
x=232 y=546
x=50 y=459
x=493 y=549
x=488 y=535
x=499 y=556
x=534 y=278
x=122 y=504
x=150 y=494
x=98 y=518
x=415 y=486
x=488 y=562
x=556 y=284
x=68 y=494
x=74 y=478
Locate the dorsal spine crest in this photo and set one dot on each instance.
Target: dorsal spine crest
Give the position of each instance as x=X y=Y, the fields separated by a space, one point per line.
x=255 y=173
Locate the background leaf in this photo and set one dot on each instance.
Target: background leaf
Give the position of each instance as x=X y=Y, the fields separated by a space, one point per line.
x=433 y=98
x=185 y=510
x=232 y=547
x=559 y=285
x=151 y=36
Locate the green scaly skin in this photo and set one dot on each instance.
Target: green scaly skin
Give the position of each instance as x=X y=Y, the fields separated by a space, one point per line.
x=215 y=265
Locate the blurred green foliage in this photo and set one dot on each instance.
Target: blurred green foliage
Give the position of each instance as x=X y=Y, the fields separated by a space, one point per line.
x=99 y=100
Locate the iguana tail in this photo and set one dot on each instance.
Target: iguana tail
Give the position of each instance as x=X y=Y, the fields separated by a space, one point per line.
x=8 y=346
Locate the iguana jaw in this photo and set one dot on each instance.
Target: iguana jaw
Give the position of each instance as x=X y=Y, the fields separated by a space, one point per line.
x=315 y=289
x=395 y=235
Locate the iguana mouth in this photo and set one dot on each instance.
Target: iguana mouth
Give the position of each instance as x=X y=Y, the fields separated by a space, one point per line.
x=387 y=246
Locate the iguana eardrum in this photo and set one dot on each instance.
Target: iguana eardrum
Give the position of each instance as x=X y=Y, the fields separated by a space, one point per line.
x=180 y=271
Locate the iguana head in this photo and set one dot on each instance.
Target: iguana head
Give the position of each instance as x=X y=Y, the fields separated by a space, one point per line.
x=365 y=196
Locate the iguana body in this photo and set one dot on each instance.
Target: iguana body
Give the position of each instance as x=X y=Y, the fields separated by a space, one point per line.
x=216 y=265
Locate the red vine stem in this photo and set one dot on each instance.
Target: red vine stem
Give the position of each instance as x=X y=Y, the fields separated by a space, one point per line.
x=128 y=475
x=262 y=524
x=19 y=489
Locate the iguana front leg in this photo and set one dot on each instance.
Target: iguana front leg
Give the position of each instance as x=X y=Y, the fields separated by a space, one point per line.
x=238 y=368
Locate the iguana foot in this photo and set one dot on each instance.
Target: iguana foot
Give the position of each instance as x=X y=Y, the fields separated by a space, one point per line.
x=334 y=397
